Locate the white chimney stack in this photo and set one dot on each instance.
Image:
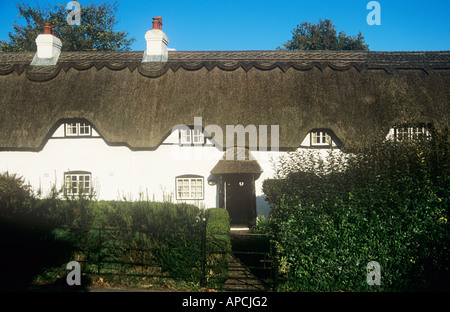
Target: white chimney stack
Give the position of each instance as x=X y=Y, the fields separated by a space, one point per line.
x=156 y=43
x=48 y=47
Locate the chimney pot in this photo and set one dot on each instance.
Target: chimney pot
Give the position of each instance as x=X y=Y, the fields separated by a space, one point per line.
x=157 y=23
x=47 y=29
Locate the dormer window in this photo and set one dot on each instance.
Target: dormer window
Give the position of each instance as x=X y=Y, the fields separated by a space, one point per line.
x=192 y=136
x=76 y=129
x=320 y=138
x=410 y=133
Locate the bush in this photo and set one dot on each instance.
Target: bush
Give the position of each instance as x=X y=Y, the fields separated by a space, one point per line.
x=163 y=239
x=27 y=243
x=147 y=216
x=218 y=246
x=165 y=235
x=389 y=205
x=162 y=236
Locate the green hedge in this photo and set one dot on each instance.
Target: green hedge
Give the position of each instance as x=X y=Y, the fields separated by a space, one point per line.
x=390 y=205
x=170 y=233
x=218 y=246
x=26 y=234
x=147 y=215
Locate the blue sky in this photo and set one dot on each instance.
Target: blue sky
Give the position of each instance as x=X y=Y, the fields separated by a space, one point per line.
x=406 y=25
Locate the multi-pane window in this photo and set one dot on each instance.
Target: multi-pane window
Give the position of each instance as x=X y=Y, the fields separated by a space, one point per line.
x=185 y=136
x=78 y=129
x=71 y=128
x=192 y=136
x=320 y=138
x=77 y=183
x=411 y=133
x=84 y=129
x=197 y=136
x=189 y=187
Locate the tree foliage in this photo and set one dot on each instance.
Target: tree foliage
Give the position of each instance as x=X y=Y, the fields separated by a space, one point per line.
x=323 y=36
x=96 y=31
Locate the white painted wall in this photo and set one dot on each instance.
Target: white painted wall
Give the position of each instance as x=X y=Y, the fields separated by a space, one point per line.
x=118 y=172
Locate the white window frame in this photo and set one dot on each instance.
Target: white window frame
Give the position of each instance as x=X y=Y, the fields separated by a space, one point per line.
x=185 y=136
x=197 y=136
x=189 y=182
x=407 y=133
x=324 y=138
x=191 y=136
x=82 y=180
x=74 y=129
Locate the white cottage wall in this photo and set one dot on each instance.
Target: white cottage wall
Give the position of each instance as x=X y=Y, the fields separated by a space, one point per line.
x=120 y=173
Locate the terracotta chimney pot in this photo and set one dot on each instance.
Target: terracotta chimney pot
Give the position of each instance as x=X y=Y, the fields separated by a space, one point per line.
x=47 y=29
x=157 y=23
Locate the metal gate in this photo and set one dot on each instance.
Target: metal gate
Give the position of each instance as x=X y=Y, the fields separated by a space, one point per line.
x=250 y=265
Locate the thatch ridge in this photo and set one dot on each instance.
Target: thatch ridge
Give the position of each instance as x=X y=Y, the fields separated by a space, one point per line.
x=225 y=60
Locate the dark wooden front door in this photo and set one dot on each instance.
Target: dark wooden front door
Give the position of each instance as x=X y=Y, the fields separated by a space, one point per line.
x=240 y=198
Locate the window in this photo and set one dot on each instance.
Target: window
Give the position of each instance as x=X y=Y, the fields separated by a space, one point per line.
x=189 y=187
x=84 y=129
x=197 y=136
x=192 y=136
x=405 y=133
x=77 y=182
x=320 y=138
x=78 y=129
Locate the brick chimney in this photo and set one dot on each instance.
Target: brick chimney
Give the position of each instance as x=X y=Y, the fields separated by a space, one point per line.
x=156 y=43
x=48 y=47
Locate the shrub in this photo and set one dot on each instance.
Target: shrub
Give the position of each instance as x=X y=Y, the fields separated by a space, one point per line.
x=159 y=235
x=26 y=237
x=389 y=205
x=218 y=246
x=142 y=237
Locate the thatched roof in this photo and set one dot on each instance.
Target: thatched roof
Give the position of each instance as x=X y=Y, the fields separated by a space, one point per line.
x=355 y=94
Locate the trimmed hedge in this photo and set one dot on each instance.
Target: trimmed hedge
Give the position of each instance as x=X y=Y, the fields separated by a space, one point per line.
x=218 y=246
x=390 y=205
x=170 y=234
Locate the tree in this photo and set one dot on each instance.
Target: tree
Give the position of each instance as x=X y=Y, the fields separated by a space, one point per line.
x=96 y=31
x=323 y=36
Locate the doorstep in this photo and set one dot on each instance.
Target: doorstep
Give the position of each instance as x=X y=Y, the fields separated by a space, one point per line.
x=239 y=229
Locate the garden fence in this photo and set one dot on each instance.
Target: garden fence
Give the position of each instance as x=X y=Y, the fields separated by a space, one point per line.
x=195 y=256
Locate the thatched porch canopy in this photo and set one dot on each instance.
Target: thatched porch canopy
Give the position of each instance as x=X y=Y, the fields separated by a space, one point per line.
x=355 y=94
x=237 y=161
